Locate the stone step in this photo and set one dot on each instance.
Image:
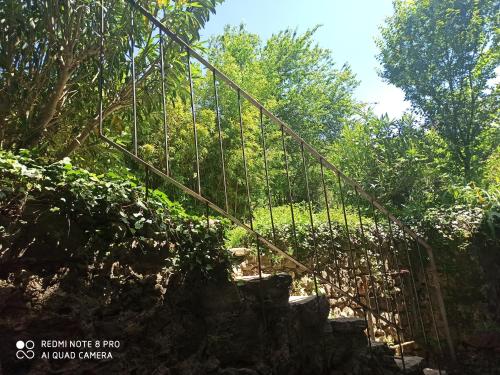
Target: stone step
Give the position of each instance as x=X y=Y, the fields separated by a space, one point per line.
x=272 y=290
x=347 y=324
x=311 y=311
x=431 y=371
x=413 y=365
x=381 y=348
x=252 y=279
x=301 y=300
x=240 y=252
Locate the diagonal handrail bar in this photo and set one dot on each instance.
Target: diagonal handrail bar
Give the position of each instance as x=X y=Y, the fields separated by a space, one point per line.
x=238 y=222
x=306 y=147
x=321 y=159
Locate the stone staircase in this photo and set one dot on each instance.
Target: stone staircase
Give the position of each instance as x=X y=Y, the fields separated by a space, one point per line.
x=294 y=335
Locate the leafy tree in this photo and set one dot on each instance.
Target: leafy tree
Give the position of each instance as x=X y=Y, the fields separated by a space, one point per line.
x=406 y=166
x=312 y=95
x=443 y=55
x=299 y=82
x=48 y=64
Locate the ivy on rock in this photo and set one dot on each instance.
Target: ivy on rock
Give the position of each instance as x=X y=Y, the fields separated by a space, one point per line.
x=53 y=215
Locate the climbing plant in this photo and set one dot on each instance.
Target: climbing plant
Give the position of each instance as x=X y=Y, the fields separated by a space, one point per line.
x=54 y=212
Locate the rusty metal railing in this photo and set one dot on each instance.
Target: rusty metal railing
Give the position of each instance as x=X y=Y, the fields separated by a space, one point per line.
x=417 y=308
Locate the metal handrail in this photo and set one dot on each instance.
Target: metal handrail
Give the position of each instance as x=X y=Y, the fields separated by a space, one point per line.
x=304 y=147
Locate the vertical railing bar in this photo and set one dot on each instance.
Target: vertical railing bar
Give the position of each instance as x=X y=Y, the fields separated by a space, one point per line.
x=351 y=255
x=134 y=93
x=393 y=257
x=147 y=183
x=335 y=255
x=368 y=302
x=249 y=202
x=290 y=197
x=431 y=305
x=398 y=333
x=385 y=277
x=389 y=252
x=313 y=232
x=207 y=212
x=401 y=278
x=101 y=68
x=413 y=285
x=193 y=116
x=221 y=146
x=259 y=255
x=365 y=246
x=164 y=104
x=245 y=167
x=269 y=202
x=349 y=244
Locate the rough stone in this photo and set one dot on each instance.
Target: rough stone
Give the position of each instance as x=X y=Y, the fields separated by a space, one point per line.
x=247 y=327
x=237 y=371
x=310 y=311
x=348 y=324
x=240 y=252
x=431 y=371
x=413 y=365
x=271 y=290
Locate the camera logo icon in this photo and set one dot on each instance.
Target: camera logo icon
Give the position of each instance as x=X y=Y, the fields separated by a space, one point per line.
x=25 y=349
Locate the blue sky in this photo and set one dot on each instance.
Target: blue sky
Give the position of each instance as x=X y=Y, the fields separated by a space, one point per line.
x=349 y=28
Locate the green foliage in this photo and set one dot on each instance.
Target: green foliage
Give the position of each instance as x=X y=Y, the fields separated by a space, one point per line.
x=492 y=170
x=465 y=238
x=386 y=157
x=292 y=76
x=49 y=64
x=46 y=210
x=407 y=167
x=311 y=95
x=443 y=55
x=325 y=99
x=302 y=243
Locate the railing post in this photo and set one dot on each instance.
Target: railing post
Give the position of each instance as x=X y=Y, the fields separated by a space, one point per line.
x=101 y=68
x=221 y=145
x=134 y=93
x=290 y=196
x=164 y=104
x=433 y=272
x=193 y=117
x=264 y=154
x=335 y=255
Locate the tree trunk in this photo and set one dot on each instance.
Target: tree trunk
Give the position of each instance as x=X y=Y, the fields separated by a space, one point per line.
x=467 y=165
x=50 y=108
x=80 y=138
x=121 y=102
x=88 y=129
